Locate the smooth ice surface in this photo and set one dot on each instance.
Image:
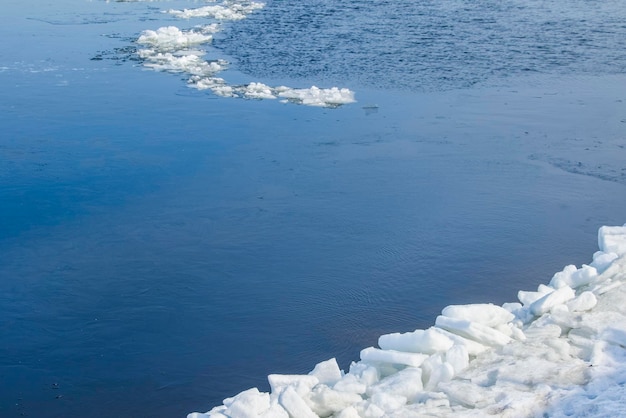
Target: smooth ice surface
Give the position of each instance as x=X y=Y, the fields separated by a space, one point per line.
x=568 y=359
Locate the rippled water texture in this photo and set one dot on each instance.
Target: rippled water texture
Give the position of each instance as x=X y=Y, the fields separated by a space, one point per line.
x=162 y=248
x=429 y=45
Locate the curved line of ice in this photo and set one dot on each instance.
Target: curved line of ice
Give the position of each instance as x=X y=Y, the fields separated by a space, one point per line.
x=169 y=49
x=560 y=351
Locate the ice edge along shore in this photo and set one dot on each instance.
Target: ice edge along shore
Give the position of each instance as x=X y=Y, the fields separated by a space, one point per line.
x=560 y=351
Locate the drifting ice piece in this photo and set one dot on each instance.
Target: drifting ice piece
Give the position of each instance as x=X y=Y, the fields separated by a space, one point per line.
x=473 y=331
x=372 y=354
x=419 y=341
x=483 y=313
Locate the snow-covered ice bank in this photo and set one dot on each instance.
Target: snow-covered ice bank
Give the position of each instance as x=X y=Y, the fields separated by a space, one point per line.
x=173 y=50
x=559 y=351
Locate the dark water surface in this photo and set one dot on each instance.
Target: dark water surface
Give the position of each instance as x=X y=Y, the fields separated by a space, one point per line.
x=162 y=249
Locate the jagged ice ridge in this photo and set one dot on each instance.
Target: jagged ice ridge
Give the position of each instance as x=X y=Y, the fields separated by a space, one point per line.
x=560 y=351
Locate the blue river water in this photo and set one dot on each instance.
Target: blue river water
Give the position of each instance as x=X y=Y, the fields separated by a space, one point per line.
x=162 y=248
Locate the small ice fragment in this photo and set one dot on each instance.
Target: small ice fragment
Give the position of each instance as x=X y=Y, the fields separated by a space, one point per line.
x=572 y=277
x=325 y=401
x=549 y=301
x=527 y=298
x=367 y=374
x=327 y=372
x=406 y=383
x=388 y=401
x=349 y=412
x=302 y=384
x=583 y=302
x=463 y=393
x=350 y=384
x=615 y=334
x=543 y=332
x=601 y=260
x=248 y=404
x=473 y=331
x=457 y=357
x=275 y=411
x=612 y=239
x=295 y=405
x=418 y=341
x=473 y=347
x=372 y=354
x=435 y=372
x=483 y=313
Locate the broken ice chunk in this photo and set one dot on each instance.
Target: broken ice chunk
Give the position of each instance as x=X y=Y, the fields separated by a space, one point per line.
x=372 y=354
x=483 y=313
x=473 y=331
x=549 y=301
x=420 y=341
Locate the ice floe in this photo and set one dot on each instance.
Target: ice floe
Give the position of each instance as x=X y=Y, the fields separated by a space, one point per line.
x=175 y=50
x=559 y=351
x=229 y=10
